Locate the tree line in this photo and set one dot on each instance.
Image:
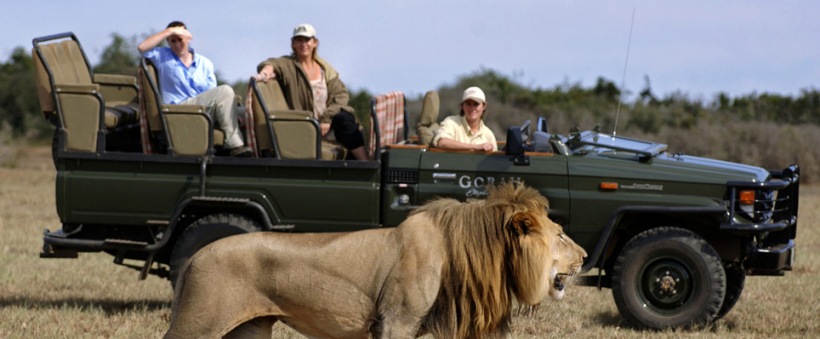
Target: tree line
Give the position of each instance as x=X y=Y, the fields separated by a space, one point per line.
x=755 y=128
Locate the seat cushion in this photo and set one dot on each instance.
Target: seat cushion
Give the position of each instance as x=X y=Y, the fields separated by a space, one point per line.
x=333 y=151
x=428 y=118
x=426 y=133
x=121 y=115
x=219 y=137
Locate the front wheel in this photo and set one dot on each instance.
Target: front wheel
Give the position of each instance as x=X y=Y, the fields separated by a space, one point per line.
x=735 y=280
x=668 y=277
x=204 y=231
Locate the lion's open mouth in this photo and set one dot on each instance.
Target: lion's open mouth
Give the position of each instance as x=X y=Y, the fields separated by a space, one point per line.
x=560 y=281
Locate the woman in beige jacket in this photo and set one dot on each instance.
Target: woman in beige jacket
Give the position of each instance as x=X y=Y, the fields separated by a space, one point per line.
x=310 y=83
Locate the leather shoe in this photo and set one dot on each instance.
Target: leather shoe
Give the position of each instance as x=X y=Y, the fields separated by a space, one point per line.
x=241 y=152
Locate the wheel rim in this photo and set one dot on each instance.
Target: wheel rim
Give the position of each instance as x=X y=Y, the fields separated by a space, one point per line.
x=666 y=285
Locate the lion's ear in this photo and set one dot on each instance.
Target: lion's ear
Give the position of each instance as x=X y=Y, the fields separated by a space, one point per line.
x=521 y=223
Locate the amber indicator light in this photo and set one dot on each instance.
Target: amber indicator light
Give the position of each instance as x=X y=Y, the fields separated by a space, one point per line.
x=747 y=197
x=609 y=186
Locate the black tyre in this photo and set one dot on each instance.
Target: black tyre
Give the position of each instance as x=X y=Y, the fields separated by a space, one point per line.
x=54 y=146
x=735 y=280
x=203 y=232
x=668 y=277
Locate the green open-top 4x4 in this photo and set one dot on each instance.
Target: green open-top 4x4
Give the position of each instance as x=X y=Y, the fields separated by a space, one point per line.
x=673 y=236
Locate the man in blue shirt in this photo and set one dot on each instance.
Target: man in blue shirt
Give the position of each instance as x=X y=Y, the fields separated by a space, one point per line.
x=188 y=78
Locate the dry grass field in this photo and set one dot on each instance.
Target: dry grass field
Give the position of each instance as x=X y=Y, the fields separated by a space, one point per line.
x=91 y=297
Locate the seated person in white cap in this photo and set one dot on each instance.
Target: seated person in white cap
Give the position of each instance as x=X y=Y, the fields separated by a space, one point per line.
x=467 y=130
x=311 y=84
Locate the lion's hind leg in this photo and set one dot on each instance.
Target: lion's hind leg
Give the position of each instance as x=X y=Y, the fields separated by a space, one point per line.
x=260 y=327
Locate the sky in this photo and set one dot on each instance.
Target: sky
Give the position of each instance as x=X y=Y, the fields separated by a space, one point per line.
x=693 y=47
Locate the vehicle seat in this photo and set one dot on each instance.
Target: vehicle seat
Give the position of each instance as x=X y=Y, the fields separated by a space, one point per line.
x=387 y=115
x=84 y=106
x=427 y=127
x=277 y=131
x=173 y=129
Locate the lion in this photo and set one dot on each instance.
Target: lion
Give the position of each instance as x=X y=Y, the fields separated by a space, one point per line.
x=451 y=269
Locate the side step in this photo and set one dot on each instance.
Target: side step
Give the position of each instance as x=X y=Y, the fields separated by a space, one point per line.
x=118 y=243
x=57 y=244
x=50 y=252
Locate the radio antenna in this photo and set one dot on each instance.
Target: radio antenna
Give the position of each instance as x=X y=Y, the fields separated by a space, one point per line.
x=623 y=77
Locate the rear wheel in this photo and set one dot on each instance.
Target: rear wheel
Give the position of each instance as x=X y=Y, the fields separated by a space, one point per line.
x=668 y=277
x=203 y=232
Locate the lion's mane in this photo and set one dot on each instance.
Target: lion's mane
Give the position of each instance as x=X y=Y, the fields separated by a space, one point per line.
x=487 y=263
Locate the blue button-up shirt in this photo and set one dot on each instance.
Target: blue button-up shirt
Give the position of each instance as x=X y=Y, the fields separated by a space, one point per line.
x=177 y=82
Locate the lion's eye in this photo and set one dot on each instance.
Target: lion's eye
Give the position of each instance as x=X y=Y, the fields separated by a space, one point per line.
x=561 y=236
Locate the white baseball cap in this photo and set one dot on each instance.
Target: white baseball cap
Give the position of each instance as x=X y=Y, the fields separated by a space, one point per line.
x=473 y=93
x=305 y=30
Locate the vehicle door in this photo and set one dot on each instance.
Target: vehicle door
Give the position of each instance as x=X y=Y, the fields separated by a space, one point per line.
x=466 y=174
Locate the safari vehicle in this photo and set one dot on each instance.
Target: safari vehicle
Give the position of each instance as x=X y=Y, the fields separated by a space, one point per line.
x=674 y=236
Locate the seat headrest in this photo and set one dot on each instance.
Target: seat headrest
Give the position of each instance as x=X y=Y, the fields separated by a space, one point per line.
x=429 y=109
x=272 y=95
x=151 y=97
x=66 y=61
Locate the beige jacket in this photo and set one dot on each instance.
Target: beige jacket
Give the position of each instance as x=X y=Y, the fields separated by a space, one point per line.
x=298 y=92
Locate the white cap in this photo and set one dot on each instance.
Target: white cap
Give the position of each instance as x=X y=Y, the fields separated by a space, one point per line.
x=473 y=93
x=305 y=30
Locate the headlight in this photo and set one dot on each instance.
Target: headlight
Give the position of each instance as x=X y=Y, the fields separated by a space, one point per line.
x=756 y=205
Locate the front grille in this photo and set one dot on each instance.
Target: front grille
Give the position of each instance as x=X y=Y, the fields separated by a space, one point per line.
x=401 y=176
x=773 y=215
x=774 y=200
x=764 y=205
